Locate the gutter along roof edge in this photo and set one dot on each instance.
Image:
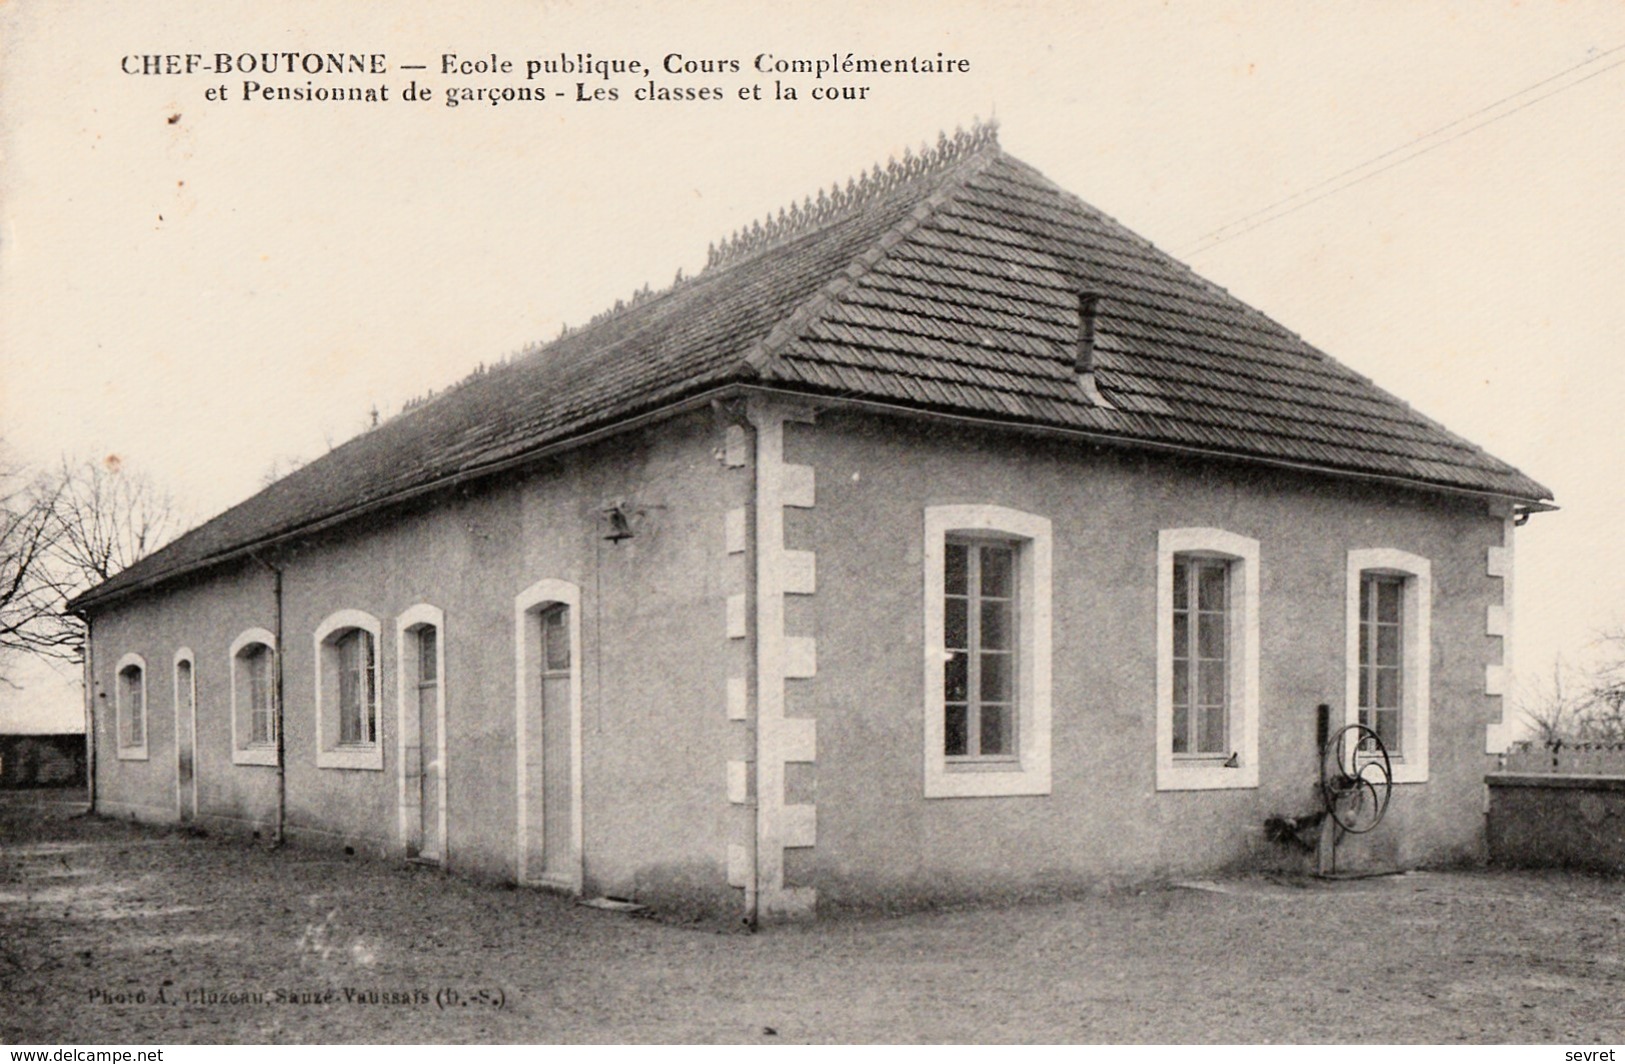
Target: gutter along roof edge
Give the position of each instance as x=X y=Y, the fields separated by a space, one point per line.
x=1106 y=439
x=90 y=601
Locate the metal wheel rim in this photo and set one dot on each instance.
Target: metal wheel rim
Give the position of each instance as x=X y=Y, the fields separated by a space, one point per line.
x=1355 y=763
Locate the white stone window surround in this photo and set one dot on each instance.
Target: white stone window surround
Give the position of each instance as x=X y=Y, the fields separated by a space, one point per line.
x=127 y=750
x=330 y=752
x=1192 y=774
x=243 y=750
x=1410 y=765
x=1029 y=772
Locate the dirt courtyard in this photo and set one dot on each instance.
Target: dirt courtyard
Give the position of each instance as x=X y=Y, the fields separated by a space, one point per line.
x=111 y=932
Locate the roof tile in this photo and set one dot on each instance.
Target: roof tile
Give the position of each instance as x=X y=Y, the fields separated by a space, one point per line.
x=962 y=271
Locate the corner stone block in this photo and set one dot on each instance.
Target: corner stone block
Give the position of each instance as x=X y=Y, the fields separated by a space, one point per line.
x=800 y=572
x=792 y=903
x=799 y=739
x=739 y=782
x=738 y=865
x=735 y=446
x=800 y=825
x=738 y=698
x=800 y=657
x=733 y=530
x=798 y=486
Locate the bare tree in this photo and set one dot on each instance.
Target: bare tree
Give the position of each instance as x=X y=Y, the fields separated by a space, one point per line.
x=62 y=533
x=109 y=519
x=1605 y=718
x=1580 y=705
x=1552 y=708
x=31 y=592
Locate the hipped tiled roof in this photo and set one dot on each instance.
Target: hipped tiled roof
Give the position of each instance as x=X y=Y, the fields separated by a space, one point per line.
x=948 y=282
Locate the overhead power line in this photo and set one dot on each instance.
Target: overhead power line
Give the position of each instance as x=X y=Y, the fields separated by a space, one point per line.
x=1406 y=152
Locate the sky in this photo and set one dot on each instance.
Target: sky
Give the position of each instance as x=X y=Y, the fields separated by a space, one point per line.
x=210 y=289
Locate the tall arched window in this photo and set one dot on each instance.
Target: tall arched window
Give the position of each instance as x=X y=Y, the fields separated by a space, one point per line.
x=987 y=651
x=348 y=728
x=1207 y=659
x=253 y=698
x=1390 y=650
x=131 y=695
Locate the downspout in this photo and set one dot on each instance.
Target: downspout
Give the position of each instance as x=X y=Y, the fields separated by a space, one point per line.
x=276 y=702
x=86 y=663
x=280 y=823
x=753 y=674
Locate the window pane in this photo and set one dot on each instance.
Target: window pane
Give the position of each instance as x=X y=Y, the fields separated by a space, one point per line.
x=133 y=724
x=1388 y=688
x=995 y=730
x=954 y=566
x=998 y=565
x=996 y=677
x=556 y=638
x=996 y=625
x=1182 y=684
x=1365 y=687
x=258 y=664
x=1365 y=643
x=1210 y=683
x=1212 y=737
x=349 y=698
x=369 y=731
x=955 y=625
x=1387 y=644
x=1210 y=635
x=1387 y=729
x=428 y=655
x=1182 y=723
x=956 y=728
x=1388 y=598
x=956 y=677
x=1181 y=586
x=1182 y=635
x=349 y=688
x=1210 y=586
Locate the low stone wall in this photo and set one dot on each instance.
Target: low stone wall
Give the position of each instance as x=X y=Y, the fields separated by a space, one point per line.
x=1550 y=819
x=42 y=760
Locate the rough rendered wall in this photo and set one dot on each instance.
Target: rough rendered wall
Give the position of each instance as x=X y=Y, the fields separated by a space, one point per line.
x=204 y=618
x=651 y=622
x=880 y=841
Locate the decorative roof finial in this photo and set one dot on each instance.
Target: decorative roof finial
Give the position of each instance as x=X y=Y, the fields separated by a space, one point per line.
x=868 y=185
